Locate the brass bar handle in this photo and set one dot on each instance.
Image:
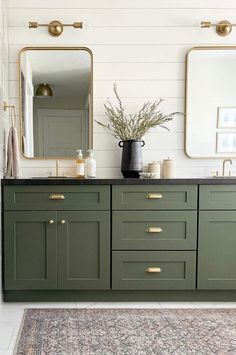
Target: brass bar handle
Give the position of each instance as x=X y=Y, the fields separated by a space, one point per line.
x=154 y=230
x=155 y=196
x=56 y=197
x=51 y=221
x=153 y=270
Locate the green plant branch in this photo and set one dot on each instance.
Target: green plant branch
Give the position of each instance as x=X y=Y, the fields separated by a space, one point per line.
x=134 y=126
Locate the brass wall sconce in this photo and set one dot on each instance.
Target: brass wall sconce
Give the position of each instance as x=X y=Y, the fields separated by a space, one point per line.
x=223 y=28
x=55 y=28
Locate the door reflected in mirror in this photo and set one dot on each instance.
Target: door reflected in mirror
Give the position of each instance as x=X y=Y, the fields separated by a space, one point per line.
x=211 y=102
x=56 y=95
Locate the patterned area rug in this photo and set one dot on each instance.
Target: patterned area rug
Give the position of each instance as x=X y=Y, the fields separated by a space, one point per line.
x=127 y=332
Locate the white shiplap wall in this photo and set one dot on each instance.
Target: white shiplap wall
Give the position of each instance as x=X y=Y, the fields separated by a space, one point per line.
x=3 y=95
x=141 y=45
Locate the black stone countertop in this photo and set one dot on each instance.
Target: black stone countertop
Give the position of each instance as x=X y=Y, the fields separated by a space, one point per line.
x=121 y=181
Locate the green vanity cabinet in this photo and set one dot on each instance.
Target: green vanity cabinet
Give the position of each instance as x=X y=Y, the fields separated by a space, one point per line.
x=154 y=237
x=57 y=250
x=115 y=240
x=84 y=250
x=30 y=250
x=217 y=250
x=66 y=247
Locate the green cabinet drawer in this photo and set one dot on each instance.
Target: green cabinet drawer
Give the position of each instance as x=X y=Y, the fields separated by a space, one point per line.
x=57 y=197
x=217 y=197
x=217 y=250
x=153 y=270
x=154 y=230
x=154 y=197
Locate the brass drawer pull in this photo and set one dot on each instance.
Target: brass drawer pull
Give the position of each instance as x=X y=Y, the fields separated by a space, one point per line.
x=154 y=196
x=154 y=230
x=51 y=221
x=56 y=197
x=62 y=221
x=153 y=270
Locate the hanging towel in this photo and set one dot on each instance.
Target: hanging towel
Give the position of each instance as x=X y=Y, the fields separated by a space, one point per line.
x=13 y=155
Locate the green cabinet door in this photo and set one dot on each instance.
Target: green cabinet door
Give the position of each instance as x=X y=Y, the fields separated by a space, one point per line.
x=30 y=255
x=84 y=250
x=217 y=250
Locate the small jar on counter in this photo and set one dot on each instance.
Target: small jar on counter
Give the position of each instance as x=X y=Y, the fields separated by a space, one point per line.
x=168 y=169
x=155 y=169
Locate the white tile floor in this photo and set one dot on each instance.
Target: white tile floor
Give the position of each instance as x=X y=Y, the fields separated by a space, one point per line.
x=11 y=314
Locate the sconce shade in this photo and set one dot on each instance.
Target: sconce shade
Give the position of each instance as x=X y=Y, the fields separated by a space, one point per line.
x=43 y=90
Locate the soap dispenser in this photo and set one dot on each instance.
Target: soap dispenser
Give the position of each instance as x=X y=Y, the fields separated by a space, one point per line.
x=80 y=165
x=90 y=165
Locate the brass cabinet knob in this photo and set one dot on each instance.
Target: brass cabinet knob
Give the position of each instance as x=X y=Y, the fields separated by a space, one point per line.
x=62 y=221
x=51 y=221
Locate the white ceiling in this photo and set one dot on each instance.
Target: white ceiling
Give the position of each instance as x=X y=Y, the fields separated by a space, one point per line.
x=66 y=71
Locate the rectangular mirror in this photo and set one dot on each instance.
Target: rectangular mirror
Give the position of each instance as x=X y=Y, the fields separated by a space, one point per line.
x=56 y=95
x=211 y=102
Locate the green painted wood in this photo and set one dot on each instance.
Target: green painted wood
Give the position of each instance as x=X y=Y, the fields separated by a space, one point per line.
x=178 y=270
x=30 y=254
x=76 y=197
x=174 y=197
x=217 y=250
x=130 y=230
x=119 y=296
x=217 y=197
x=84 y=250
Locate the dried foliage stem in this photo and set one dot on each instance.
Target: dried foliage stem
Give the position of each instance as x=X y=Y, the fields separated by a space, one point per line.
x=134 y=126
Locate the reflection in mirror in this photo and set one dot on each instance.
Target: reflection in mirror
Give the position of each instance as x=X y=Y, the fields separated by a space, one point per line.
x=211 y=102
x=56 y=101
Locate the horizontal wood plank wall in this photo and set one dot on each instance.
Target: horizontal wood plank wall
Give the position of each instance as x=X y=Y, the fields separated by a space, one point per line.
x=140 y=45
x=3 y=96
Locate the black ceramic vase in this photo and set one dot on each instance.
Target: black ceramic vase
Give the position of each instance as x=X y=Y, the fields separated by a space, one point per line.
x=131 y=163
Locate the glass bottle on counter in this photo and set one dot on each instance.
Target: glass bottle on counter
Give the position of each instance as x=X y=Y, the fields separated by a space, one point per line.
x=90 y=165
x=80 y=171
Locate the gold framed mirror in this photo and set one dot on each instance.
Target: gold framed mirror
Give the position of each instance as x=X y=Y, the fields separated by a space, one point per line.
x=210 y=122
x=56 y=101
